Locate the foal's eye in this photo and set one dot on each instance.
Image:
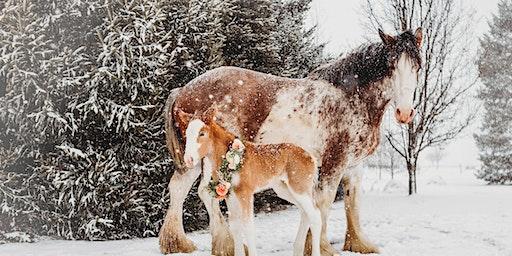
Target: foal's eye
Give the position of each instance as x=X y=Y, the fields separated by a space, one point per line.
x=201 y=134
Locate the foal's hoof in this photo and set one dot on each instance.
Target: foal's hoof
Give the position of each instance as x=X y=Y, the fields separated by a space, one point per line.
x=360 y=246
x=222 y=242
x=170 y=243
x=326 y=249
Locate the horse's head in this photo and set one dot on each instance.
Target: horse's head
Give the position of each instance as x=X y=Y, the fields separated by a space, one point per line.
x=405 y=59
x=199 y=135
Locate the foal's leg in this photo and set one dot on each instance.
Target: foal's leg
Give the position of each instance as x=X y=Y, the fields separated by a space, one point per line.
x=314 y=218
x=222 y=241
x=172 y=236
x=245 y=199
x=355 y=240
x=248 y=222
x=235 y=225
x=324 y=195
x=283 y=192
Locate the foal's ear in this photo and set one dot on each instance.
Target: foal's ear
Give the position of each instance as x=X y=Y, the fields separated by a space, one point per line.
x=209 y=115
x=386 y=39
x=418 y=34
x=183 y=119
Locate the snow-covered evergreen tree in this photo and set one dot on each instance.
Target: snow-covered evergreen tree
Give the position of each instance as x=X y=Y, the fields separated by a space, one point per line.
x=37 y=77
x=299 y=52
x=247 y=33
x=495 y=137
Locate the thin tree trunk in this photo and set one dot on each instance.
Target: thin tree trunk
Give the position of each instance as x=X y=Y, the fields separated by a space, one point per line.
x=411 y=169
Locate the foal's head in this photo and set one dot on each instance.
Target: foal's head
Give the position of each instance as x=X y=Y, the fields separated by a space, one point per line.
x=405 y=57
x=203 y=136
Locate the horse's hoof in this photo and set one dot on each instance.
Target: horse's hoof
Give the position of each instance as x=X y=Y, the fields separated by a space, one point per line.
x=360 y=245
x=172 y=243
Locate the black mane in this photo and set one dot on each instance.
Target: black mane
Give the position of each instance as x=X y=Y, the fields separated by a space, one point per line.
x=368 y=63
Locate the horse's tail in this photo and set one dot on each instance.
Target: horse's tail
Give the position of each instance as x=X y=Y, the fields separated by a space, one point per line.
x=173 y=135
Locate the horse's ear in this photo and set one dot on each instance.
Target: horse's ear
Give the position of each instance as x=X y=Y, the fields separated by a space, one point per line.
x=418 y=34
x=386 y=39
x=209 y=115
x=183 y=119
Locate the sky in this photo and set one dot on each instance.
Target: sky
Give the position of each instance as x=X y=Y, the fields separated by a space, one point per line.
x=340 y=25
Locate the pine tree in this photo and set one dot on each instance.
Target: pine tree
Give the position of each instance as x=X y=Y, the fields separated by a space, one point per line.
x=37 y=78
x=495 y=137
x=247 y=32
x=299 y=53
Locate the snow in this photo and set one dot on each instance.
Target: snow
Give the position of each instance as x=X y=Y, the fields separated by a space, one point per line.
x=453 y=214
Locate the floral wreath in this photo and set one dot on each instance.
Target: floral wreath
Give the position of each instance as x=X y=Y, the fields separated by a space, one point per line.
x=231 y=162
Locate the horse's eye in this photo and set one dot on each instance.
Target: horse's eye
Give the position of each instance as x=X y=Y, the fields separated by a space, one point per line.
x=201 y=134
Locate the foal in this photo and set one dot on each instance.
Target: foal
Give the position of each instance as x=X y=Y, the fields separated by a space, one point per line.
x=238 y=170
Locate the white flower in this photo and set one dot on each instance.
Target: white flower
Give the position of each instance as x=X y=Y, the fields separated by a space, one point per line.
x=238 y=145
x=229 y=157
x=227 y=184
x=236 y=159
x=232 y=166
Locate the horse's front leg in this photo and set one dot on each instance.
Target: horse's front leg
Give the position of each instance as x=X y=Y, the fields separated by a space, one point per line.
x=172 y=235
x=222 y=241
x=355 y=240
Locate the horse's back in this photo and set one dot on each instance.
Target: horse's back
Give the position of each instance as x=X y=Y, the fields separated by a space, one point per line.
x=243 y=97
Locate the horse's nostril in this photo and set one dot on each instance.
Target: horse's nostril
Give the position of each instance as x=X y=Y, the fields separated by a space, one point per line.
x=398 y=111
x=412 y=113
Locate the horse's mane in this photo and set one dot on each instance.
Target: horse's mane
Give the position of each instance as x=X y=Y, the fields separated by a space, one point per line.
x=367 y=64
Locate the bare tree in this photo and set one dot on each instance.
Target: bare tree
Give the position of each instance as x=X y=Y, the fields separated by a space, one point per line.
x=446 y=73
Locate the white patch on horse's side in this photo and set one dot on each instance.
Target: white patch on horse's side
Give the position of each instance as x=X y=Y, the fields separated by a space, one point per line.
x=288 y=112
x=191 y=146
x=405 y=79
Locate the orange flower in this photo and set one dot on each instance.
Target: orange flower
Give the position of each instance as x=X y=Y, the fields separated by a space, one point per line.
x=221 y=190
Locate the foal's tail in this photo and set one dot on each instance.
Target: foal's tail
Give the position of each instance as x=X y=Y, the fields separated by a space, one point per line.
x=172 y=133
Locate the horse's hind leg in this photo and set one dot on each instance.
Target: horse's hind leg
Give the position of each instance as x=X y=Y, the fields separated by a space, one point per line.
x=355 y=240
x=172 y=236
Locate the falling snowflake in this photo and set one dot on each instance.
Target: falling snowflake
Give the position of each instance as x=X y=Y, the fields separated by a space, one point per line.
x=228 y=99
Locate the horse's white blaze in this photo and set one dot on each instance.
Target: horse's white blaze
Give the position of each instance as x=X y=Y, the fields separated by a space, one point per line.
x=191 y=146
x=405 y=81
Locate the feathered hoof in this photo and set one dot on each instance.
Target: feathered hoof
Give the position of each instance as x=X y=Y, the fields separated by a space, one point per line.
x=359 y=245
x=222 y=242
x=174 y=242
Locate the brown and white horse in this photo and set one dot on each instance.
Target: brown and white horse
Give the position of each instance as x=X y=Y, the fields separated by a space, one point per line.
x=286 y=168
x=334 y=114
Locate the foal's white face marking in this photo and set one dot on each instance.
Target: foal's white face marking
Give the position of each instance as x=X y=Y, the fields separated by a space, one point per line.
x=405 y=80
x=191 y=145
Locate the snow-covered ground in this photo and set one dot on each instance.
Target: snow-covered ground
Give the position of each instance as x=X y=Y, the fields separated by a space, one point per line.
x=453 y=214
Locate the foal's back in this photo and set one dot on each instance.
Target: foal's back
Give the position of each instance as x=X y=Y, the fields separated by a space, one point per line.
x=264 y=163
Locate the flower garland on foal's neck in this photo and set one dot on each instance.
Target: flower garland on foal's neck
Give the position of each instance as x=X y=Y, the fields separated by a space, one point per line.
x=231 y=162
